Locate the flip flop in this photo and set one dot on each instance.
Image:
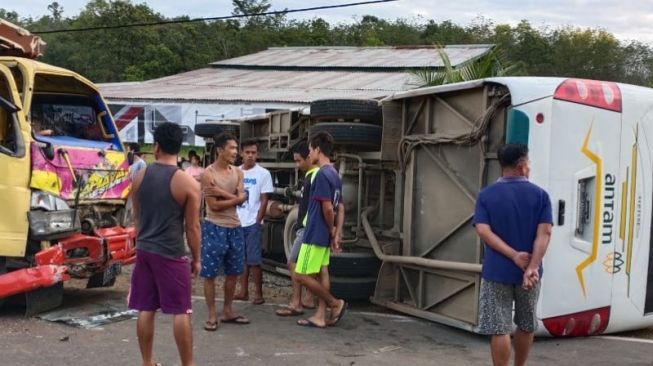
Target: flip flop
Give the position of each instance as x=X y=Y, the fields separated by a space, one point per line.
x=211 y=326
x=335 y=320
x=239 y=319
x=241 y=298
x=288 y=311
x=260 y=301
x=309 y=323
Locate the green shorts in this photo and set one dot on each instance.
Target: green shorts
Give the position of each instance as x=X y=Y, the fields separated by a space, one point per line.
x=312 y=258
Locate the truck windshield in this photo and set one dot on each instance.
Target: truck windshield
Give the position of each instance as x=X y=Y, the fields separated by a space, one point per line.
x=73 y=116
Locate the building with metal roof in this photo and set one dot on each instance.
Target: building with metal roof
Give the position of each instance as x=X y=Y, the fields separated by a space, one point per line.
x=277 y=78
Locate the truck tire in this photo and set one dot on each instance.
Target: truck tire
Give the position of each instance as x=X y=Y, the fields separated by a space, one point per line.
x=363 y=110
x=210 y=129
x=354 y=264
x=290 y=230
x=363 y=136
x=353 y=289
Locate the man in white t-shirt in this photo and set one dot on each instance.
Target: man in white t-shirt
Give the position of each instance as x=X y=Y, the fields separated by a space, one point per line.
x=258 y=184
x=139 y=163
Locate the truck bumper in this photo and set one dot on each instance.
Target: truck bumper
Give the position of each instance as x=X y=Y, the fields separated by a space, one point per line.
x=90 y=254
x=49 y=270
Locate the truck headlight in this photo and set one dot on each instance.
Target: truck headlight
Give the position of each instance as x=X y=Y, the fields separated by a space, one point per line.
x=53 y=224
x=48 y=202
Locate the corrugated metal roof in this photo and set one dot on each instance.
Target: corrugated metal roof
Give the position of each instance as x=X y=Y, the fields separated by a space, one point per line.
x=210 y=84
x=297 y=74
x=356 y=57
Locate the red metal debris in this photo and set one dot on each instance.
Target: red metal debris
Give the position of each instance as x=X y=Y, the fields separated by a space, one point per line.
x=28 y=279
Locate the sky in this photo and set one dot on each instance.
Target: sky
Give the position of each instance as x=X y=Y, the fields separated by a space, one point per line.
x=626 y=19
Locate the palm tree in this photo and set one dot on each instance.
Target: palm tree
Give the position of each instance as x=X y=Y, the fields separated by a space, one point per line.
x=493 y=63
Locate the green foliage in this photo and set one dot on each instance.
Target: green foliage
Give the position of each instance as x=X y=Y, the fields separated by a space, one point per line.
x=493 y=63
x=141 y=53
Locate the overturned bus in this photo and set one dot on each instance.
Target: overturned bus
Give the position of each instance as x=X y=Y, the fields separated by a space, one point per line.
x=413 y=163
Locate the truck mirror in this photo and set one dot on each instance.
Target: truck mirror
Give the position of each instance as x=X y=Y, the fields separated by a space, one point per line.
x=8 y=106
x=48 y=151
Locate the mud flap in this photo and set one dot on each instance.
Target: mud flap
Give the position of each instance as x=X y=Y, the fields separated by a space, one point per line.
x=43 y=299
x=106 y=278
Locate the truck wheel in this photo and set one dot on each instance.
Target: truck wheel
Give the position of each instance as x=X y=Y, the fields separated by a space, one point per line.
x=353 y=289
x=289 y=230
x=210 y=129
x=363 y=110
x=354 y=264
x=362 y=136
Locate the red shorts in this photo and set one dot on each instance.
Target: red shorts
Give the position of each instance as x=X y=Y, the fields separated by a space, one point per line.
x=160 y=282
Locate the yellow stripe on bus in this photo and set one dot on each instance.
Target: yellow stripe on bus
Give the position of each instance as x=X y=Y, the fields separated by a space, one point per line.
x=597 y=211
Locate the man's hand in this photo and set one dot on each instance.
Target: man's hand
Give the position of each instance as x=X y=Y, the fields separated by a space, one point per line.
x=195 y=268
x=522 y=259
x=531 y=278
x=335 y=241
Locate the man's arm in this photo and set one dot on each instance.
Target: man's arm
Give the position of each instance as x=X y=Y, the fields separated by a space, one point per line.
x=192 y=222
x=492 y=240
x=340 y=222
x=540 y=245
x=329 y=216
x=136 y=183
x=214 y=202
x=266 y=188
x=263 y=209
x=215 y=191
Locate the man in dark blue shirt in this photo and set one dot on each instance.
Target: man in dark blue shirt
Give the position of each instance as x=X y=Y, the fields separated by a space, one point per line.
x=513 y=219
x=324 y=222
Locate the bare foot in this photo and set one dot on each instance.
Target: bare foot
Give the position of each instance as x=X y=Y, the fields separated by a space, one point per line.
x=337 y=312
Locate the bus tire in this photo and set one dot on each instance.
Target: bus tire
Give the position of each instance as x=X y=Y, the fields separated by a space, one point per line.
x=362 y=136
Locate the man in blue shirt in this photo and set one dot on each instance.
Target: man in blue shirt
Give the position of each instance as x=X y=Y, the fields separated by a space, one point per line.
x=513 y=219
x=324 y=222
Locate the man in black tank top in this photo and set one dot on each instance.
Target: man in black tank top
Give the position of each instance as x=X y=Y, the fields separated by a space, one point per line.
x=166 y=205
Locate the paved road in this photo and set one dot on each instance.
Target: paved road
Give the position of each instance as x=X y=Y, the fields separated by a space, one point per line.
x=363 y=338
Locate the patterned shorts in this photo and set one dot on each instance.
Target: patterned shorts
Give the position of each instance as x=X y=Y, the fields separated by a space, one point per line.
x=496 y=308
x=223 y=250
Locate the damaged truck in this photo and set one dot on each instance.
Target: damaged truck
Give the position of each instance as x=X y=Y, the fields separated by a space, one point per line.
x=64 y=182
x=413 y=163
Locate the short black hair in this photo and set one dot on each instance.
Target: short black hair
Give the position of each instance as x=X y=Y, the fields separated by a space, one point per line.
x=248 y=142
x=169 y=137
x=324 y=141
x=300 y=148
x=510 y=154
x=192 y=153
x=135 y=147
x=220 y=141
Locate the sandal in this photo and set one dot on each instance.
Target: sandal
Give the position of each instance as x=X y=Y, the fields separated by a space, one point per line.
x=335 y=319
x=259 y=301
x=210 y=326
x=309 y=323
x=239 y=319
x=288 y=311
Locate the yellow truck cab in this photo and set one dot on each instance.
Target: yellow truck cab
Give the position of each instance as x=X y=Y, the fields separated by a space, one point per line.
x=64 y=185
